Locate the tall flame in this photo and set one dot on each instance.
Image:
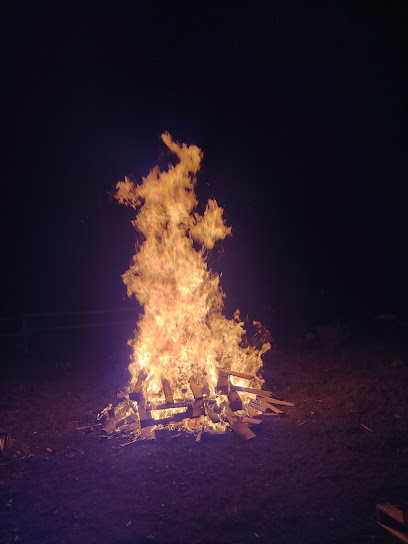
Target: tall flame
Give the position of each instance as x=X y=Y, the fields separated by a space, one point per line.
x=182 y=333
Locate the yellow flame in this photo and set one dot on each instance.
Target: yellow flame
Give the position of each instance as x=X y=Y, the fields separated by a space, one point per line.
x=182 y=333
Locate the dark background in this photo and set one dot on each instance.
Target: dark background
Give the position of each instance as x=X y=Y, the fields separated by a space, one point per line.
x=298 y=107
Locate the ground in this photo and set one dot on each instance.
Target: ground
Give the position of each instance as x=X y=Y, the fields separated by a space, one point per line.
x=314 y=475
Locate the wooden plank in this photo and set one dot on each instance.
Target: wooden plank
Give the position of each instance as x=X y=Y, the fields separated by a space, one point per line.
x=222 y=384
x=254 y=406
x=274 y=409
x=268 y=414
x=83 y=428
x=195 y=389
x=262 y=409
x=168 y=393
x=198 y=408
x=237 y=425
x=237 y=374
x=151 y=422
x=184 y=415
x=205 y=390
x=235 y=401
x=265 y=406
x=167 y=406
x=259 y=392
x=140 y=379
x=251 y=420
x=399 y=534
x=280 y=402
x=391 y=511
x=143 y=413
x=136 y=394
x=251 y=411
x=164 y=421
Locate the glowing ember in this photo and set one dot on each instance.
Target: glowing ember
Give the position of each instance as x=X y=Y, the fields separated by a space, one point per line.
x=182 y=334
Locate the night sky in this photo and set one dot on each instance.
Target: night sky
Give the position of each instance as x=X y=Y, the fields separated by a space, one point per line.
x=298 y=107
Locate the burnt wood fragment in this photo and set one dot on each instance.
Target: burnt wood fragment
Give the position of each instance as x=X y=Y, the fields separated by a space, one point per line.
x=195 y=389
x=222 y=384
x=168 y=393
x=235 y=401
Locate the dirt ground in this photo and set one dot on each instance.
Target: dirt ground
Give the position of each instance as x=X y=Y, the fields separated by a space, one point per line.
x=312 y=476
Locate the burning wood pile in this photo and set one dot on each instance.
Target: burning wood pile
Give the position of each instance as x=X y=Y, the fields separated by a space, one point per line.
x=134 y=418
x=191 y=368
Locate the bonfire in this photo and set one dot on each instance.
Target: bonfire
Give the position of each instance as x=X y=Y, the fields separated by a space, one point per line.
x=191 y=367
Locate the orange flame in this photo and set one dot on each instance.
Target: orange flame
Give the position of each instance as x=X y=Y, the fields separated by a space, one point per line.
x=182 y=333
